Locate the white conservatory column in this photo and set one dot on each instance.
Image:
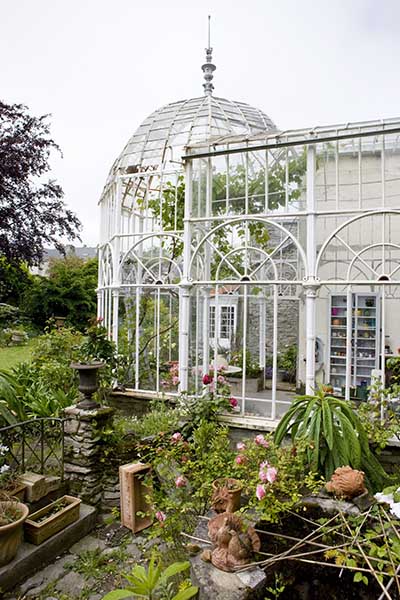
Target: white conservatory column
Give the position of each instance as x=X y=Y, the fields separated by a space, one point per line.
x=184 y=287
x=311 y=284
x=116 y=261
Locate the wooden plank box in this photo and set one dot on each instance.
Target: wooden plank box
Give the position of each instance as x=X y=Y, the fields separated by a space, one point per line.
x=133 y=497
x=36 y=533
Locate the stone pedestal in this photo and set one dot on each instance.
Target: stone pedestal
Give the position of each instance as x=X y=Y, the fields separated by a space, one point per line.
x=84 y=459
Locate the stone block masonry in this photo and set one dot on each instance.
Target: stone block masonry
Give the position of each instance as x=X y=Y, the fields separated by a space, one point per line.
x=84 y=452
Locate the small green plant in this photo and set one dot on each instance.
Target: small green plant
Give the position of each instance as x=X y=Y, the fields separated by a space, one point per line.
x=377 y=415
x=287 y=361
x=335 y=434
x=96 y=344
x=162 y=417
x=94 y=563
x=278 y=588
x=154 y=583
x=252 y=369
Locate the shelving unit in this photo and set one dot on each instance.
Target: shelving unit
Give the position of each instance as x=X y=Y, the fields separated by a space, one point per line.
x=360 y=337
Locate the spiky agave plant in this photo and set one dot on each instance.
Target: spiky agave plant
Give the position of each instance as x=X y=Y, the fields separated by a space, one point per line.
x=335 y=434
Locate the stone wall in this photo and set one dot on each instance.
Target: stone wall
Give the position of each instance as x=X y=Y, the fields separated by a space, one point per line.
x=90 y=472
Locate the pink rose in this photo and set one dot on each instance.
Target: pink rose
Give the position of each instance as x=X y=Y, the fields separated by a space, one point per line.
x=241 y=446
x=180 y=481
x=233 y=402
x=260 y=492
x=240 y=459
x=221 y=379
x=160 y=516
x=207 y=379
x=263 y=472
x=271 y=474
x=261 y=441
x=176 y=437
x=175 y=380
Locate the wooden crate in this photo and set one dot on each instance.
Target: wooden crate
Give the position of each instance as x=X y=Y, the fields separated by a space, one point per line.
x=133 y=496
x=36 y=533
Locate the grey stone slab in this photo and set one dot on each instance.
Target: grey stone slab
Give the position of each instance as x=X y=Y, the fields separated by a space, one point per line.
x=88 y=543
x=72 y=584
x=49 y=574
x=31 y=558
x=134 y=552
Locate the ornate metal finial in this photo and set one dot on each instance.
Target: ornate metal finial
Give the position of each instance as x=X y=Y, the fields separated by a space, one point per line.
x=208 y=68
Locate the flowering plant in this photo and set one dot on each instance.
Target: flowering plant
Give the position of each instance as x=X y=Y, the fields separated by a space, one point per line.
x=274 y=478
x=8 y=476
x=215 y=399
x=171 y=378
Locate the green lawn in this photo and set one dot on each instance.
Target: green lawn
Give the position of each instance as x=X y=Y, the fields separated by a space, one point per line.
x=12 y=355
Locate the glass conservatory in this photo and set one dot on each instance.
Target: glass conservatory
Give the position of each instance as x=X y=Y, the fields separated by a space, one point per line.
x=226 y=242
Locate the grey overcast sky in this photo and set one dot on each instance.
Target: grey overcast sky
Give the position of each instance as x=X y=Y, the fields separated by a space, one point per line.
x=101 y=66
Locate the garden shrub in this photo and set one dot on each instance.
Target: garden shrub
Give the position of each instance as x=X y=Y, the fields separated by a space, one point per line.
x=335 y=435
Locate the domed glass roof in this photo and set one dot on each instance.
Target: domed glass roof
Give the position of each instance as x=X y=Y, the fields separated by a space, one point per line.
x=162 y=137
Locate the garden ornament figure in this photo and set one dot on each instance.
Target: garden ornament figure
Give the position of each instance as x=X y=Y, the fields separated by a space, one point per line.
x=235 y=544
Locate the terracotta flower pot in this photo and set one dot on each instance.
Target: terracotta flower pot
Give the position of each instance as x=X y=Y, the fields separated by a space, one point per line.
x=230 y=487
x=11 y=535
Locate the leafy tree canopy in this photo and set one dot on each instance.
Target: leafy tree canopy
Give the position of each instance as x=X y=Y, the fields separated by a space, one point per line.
x=69 y=291
x=32 y=212
x=15 y=279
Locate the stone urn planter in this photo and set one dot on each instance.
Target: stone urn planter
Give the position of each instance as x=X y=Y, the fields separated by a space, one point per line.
x=11 y=533
x=88 y=382
x=226 y=494
x=51 y=519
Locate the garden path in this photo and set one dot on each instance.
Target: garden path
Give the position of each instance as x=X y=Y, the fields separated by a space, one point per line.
x=91 y=568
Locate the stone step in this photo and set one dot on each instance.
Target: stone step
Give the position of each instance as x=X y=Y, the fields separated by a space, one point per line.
x=31 y=558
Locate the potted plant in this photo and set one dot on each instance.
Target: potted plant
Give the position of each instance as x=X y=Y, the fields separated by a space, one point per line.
x=253 y=371
x=287 y=362
x=12 y=517
x=10 y=483
x=50 y=519
x=12 y=512
x=226 y=494
x=96 y=352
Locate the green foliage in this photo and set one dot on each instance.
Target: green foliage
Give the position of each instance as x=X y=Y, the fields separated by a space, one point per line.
x=167 y=333
x=374 y=535
x=45 y=385
x=198 y=461
x=335 y=434
x=288 y=362
x=274 y=478
x=252 y=367
x=15 y=281
x=94 y=563
x=69 y=291
x=96 y=345
x=162 y=417
x=393 y=365
x=11 y=410
x=283 y=184
x=379 y=419
x=214 y=400
x=154 y=583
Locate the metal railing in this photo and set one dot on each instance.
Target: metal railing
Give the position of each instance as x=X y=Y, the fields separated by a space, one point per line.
x=36 y=445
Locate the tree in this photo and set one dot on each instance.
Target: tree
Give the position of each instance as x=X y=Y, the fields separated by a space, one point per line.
x=69 y=291
x=15 y=280
x=32 y=212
